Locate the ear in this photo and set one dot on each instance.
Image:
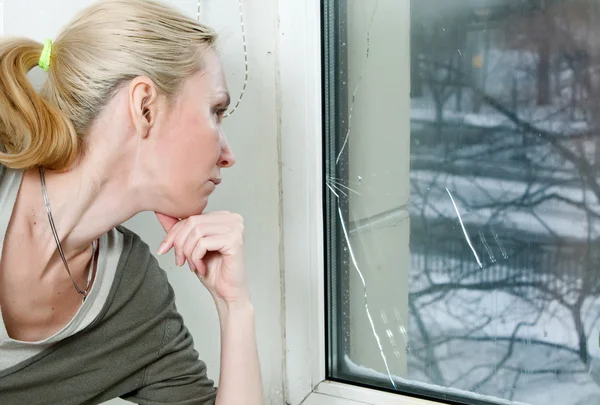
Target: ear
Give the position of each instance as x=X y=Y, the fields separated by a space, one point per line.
x=143 y=97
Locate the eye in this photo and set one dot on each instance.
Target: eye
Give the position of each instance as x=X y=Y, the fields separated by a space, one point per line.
x=219 y=112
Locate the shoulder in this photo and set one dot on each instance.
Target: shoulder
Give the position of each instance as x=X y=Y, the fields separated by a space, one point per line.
x=175 y=375
x=3 y=171
x=141 y=287
x=9 y=176
x=10 y=181
x=136 y=252
x=137 y=261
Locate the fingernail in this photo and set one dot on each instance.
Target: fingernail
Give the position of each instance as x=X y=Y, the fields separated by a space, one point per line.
x=162 y=249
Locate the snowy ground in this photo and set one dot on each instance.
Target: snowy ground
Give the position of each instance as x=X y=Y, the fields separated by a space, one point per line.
x=473 y=345
x=551 y=217
x=471 y=333
x=478 y=170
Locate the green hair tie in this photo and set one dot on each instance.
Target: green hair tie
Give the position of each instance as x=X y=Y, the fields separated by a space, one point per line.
x=46 y=53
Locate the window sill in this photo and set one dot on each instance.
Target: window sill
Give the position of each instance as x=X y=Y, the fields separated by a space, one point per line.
x=333 y=393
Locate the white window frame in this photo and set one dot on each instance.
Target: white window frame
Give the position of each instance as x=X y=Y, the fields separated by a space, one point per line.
x=303 y=259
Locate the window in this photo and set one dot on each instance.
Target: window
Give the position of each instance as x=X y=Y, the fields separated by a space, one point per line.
x=462 y=198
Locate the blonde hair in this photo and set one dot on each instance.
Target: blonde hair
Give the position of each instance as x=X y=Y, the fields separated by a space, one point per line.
x=104 y=47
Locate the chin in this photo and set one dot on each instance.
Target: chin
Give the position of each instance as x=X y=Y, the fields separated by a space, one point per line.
x=198 y=209
x=181 y=212
x=186 y=205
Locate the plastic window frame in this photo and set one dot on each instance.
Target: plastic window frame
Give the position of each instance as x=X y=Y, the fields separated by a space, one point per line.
x=300 y=92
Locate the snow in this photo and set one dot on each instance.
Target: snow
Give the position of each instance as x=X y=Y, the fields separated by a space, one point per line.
x=470 y=331
x=552 y=217
x=355 y=369
x=465 y=347
x=456 y=358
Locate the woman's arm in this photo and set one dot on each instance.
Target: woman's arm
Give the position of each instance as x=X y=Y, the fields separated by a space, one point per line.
x=213 y=246
x=240 y=381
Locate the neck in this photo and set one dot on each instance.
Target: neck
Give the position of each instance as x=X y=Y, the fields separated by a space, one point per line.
x=86 y=202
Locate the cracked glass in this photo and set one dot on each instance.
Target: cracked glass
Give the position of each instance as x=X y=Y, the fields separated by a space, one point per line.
x=462 y=198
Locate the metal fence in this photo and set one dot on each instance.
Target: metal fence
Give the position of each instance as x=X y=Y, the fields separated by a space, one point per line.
x=440 y=248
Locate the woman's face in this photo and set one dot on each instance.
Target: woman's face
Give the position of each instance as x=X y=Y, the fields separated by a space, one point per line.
x=191 y=147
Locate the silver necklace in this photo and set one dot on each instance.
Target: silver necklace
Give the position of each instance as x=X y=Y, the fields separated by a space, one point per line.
x=83 y=292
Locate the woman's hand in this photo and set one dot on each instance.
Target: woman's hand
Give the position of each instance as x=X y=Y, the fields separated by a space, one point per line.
x=213 y=246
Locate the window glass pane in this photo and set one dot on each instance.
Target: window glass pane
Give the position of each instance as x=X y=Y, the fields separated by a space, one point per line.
x=462 y=158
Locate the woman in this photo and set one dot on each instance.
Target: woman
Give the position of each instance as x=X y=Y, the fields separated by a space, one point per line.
x=129 y=120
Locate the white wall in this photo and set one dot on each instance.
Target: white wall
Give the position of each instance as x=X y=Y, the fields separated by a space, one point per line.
x=251 y=188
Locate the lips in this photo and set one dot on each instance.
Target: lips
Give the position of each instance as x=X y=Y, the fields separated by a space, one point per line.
x=216 y=181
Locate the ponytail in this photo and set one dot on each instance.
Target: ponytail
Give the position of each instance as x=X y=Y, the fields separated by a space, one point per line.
x=32 y=131
x=106 y=46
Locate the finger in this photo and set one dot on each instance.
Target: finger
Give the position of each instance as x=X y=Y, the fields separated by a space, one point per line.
x=166 y=221
x=197 y=258
x=188 y=250
x=202 y=229
x=204 y=272
x=215 y=223
x=188 y=236
x=220 y=217
x=183 y=235
x=206 y=245
x=169 y=238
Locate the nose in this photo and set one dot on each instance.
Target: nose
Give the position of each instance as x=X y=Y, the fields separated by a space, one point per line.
x=227 y=158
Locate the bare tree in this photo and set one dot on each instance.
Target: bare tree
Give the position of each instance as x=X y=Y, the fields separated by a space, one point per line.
x=502 y=240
